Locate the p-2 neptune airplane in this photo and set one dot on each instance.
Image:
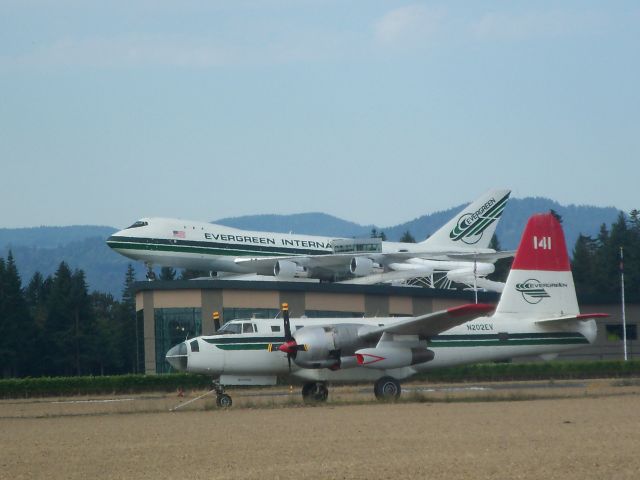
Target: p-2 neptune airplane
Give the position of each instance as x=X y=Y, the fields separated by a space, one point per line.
x=460 y=248
x=537 y=314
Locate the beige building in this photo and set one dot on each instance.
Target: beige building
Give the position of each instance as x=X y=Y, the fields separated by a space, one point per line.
x=169 y=312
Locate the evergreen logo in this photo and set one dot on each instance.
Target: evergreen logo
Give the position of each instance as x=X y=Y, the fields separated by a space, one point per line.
x=471 y=226
x=533 y=291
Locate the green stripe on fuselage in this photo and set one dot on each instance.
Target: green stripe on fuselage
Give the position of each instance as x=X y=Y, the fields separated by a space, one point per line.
x=236 y=250
x=442 y=341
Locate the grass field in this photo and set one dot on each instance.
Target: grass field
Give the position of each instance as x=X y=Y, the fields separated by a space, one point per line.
x=573 y=430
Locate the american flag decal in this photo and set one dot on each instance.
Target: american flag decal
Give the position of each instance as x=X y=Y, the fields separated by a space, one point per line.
x=178 y=233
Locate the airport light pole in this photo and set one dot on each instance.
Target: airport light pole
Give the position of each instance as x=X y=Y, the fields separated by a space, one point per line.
x=624 y=320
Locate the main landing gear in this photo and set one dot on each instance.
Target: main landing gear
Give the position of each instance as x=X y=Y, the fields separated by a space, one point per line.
x=387 y=388
x=315 y=392
x=222 y=399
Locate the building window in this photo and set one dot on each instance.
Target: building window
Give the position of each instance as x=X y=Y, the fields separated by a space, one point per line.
x=615 y=333
x=229 y=314
x=332 y=314
x=174 y=325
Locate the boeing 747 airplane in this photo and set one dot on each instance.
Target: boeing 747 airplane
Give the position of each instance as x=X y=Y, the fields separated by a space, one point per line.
x=460 y=249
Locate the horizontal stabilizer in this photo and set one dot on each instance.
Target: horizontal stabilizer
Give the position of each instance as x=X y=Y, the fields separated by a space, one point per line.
x=572 y=318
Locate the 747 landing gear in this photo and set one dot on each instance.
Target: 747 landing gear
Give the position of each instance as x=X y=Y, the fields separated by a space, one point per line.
x=222 y=399
x=387 y=388
x=314 y=392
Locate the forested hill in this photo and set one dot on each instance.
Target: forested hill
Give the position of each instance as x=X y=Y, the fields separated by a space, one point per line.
x=83 y=247
x=577 y=219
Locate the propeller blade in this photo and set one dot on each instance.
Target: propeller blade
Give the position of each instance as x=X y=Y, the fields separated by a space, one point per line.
x=290 y=347
x=287 y=325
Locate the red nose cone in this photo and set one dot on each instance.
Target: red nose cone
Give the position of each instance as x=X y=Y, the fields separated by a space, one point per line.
x=288 y=347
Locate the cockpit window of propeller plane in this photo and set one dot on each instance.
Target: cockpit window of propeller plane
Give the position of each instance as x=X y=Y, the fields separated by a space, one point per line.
x=236 y=328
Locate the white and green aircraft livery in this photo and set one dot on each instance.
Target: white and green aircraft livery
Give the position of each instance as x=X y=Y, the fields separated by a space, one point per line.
x=460 y=248
x=537 y=314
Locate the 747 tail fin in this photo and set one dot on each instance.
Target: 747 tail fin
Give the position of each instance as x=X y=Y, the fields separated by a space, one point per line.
x=474 y=226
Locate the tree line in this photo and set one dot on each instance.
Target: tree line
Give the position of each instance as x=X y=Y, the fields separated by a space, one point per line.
x=597 y=262
x=54 y=326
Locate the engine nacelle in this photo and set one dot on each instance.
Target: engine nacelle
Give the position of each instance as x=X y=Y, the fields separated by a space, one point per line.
x=326 y=347
x=361 y=266
x=288 y=269
x=392 y=357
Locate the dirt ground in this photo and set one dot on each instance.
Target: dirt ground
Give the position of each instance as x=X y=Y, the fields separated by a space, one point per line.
x=581 y=430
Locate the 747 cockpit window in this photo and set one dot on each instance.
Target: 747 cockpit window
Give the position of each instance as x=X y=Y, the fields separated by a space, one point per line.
x=138 y=224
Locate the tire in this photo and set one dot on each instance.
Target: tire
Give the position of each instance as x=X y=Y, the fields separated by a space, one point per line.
x=387 y=388
x=224 y=401
x=315 y=392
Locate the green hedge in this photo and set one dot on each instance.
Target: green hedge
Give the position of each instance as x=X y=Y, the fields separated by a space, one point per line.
x=57 y=386
x=63 y=386
x=534 y=371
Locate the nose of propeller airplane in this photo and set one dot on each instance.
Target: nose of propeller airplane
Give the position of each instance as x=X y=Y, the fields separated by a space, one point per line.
x=177 y=357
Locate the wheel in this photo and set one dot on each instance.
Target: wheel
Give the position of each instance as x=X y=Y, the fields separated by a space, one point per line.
x=224 y=401
x=315 y=392
x=387 y=388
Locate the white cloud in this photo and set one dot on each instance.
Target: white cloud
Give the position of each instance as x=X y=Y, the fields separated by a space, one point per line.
x=412 y=25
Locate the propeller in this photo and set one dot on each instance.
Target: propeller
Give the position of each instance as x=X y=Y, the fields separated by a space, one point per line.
x=290 y=347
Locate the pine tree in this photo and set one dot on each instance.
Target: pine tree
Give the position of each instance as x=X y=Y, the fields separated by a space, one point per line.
x=16 y=324
x=583 y=266
x=108 y=354
x=58 y=352
x=167 y=273
x=407 y=237
x=84 y=325
x=129 y=331
x=632 y=258
x=556 y=215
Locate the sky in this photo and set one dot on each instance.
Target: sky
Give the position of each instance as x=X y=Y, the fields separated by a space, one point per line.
x=373 y=111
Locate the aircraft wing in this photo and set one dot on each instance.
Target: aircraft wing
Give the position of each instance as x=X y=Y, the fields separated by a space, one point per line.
x=482 y=257
x=430 y=324
x=341 y=259
x=325 y=261
x=387 y=277
x=571 y=318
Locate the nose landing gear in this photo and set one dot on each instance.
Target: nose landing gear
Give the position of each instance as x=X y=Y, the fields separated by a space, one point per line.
x=222 y=399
